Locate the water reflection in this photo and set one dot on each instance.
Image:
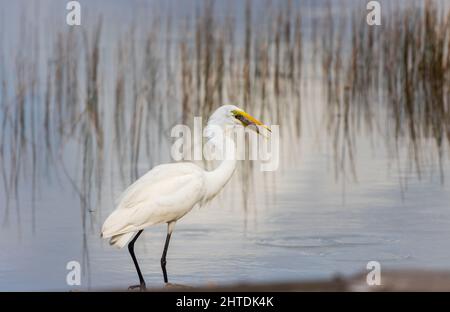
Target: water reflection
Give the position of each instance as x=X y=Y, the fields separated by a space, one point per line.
x=393 y=82
x=86 y=111
x=114 y=98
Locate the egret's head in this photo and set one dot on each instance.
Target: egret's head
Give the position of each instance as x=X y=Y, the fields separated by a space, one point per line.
x=230 y=115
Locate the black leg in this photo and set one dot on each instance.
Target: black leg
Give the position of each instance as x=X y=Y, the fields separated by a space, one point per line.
x=163 y=258
x=131 y=250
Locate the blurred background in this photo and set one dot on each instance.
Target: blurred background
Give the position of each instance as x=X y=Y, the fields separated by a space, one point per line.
x=364 y=121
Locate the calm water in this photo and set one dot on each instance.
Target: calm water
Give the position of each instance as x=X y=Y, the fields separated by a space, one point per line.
x=302 y=223
x=311 y=228
x=309 y=219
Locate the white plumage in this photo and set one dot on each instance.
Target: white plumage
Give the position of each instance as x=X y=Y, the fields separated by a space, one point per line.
x=164 y=194
x=167 y=192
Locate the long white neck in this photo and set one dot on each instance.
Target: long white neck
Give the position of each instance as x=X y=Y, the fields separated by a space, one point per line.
x=217 y=178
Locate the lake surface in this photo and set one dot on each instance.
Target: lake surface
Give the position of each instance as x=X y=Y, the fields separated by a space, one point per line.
x=311 y=228
x=312 y=218
x=301 y=224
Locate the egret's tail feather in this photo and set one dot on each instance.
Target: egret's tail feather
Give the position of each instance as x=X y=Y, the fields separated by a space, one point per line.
x=121 y=240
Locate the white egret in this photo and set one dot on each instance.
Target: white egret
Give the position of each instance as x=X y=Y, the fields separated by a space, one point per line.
x=169 y=191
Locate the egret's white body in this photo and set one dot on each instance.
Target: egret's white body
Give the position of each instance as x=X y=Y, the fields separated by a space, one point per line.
x=168 y=192
x=162 y=195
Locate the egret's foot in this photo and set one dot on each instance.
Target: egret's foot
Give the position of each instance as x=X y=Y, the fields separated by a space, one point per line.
x=141 y=287
x=171 y=285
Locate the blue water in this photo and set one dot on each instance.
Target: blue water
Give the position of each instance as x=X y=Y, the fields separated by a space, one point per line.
x=305 y=221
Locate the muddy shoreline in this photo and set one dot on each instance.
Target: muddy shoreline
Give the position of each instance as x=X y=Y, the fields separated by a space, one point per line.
x=396 y=281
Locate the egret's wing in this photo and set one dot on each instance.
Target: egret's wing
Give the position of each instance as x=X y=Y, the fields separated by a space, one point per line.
x=185 y=193
x=160 y=196
x=139 y=190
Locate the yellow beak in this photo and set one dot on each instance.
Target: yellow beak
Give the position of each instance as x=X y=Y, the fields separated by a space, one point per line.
x=247 y=120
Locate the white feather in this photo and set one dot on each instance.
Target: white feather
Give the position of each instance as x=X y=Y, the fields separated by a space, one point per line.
x=167 y=192
x=162 y=195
